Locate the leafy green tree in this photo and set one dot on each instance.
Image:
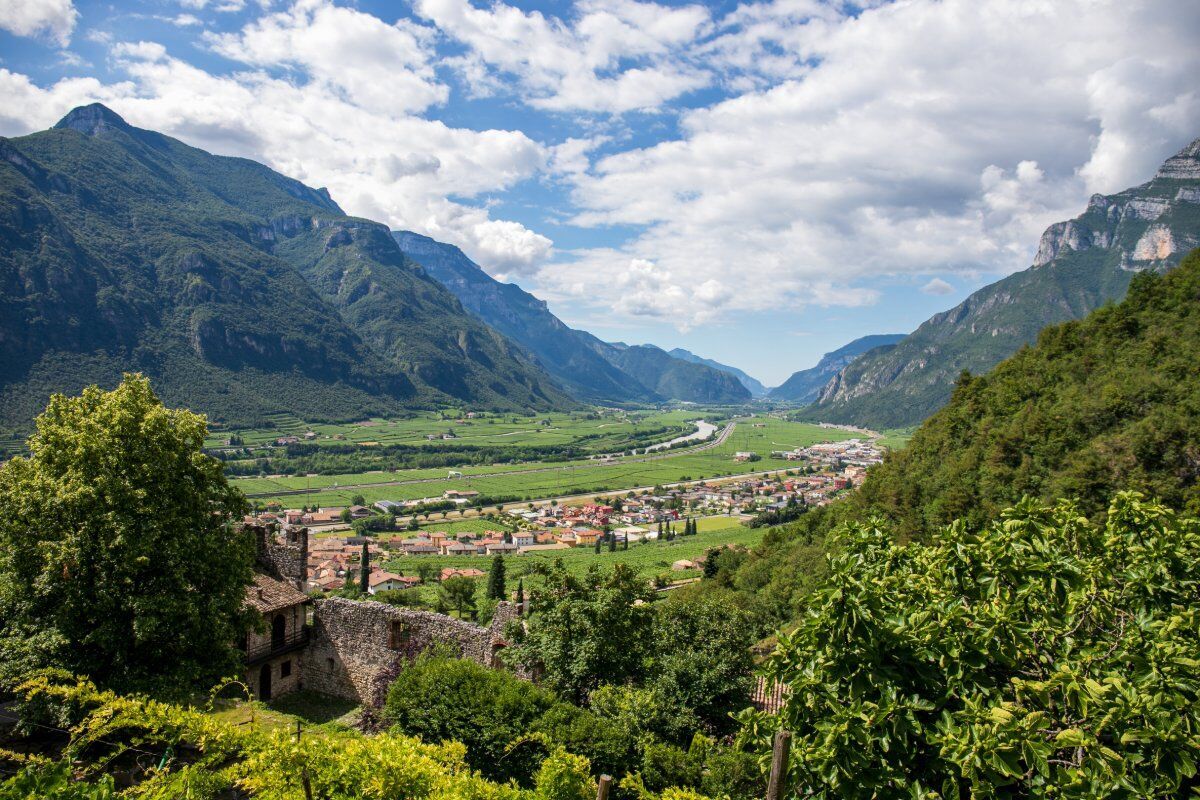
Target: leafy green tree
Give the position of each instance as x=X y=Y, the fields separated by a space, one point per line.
x=358 y=500
x=458 y=593
x=495 y=586
x=118 y=558
x=1041 y=655
x=588 y=629
x=702 y=659
x=364 y=568
x=520 y=593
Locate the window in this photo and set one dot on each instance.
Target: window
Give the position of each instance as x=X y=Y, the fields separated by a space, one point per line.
x=285 y=669
x=399 y=635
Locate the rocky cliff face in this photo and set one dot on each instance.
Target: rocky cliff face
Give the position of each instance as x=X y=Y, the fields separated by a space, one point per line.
x=1080 y=265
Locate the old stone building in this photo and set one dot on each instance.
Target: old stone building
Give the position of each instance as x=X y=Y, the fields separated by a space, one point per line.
x=274 y=650
x=274 y=654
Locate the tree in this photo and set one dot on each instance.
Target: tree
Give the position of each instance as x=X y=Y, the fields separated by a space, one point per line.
x=364 y=569
x=345 y=515
x=458 y=593
x=118 y=558
x=586 y=629
x=495 y=585
x=358 y=500
x=426 y=572
x=702 y=660
x=520 y=594
x=1037 y=651
x=597 y=543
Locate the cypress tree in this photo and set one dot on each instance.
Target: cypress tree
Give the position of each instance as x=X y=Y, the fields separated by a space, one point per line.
x=520 y=594
x=597 y=545
x=364 y=570
x=495 y=587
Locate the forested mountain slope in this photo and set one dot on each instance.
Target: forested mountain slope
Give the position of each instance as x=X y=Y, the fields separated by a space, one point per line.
x=588 y=367
x=752 y=384
x=525 y=319
x=1080 y=265
x=805 y=385
x=670 y=377
x=239 y=291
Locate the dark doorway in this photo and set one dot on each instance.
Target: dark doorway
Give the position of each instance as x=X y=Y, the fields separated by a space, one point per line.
x=278 y=631
x=264 y=682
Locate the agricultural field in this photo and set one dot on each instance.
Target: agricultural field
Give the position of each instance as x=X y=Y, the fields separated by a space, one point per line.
x=540 y=480
x=649 y=559
x=609 y=429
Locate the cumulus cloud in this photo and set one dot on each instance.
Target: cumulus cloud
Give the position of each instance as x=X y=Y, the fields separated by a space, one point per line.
x=54 y=19
x=612 y=56
x=375 y=64
x=915 y=137
x=378 y=162
x=937 y=287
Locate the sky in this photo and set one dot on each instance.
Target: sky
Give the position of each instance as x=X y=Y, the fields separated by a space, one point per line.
x=757 y=182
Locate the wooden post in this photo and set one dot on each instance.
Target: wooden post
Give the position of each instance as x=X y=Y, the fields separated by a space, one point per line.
x=779 y=764
x=297 y=731
x=603 y=786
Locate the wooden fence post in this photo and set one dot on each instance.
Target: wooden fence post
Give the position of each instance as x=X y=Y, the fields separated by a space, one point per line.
x=603 y=786
x=779 y=764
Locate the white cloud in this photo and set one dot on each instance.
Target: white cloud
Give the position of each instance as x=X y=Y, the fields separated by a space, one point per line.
x=52 y=18
x=937 y=287
x=914 y=137
x=613 y=56
x=376 y=65
x=379 y=163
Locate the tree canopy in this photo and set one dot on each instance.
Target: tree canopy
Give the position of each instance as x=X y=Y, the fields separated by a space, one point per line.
x=117 y=556
x=1039 y=655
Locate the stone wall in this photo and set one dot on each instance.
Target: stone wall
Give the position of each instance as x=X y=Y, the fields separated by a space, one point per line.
x=281 y=684
x=283 y=555
x=356 y=648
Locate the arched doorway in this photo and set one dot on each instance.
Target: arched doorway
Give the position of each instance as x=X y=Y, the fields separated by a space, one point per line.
x=278 y=631
x=264 y=682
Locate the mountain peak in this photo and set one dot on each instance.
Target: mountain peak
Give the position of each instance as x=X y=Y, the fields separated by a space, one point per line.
x=92 y=119
x=1184 y=165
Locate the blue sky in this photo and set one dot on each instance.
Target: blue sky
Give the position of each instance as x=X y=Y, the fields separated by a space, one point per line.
x=759 y=182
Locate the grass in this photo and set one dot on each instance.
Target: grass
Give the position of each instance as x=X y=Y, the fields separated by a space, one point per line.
x=758 y=434
x=307 y=707
x=896 y=438
x=490 y=429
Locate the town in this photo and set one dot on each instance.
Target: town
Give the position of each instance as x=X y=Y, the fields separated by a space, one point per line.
x=602 y=524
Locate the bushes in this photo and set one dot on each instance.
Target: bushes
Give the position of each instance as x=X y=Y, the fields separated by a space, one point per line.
x=507 y=725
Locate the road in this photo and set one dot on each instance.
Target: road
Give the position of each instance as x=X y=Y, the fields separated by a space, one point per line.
x=717 y=442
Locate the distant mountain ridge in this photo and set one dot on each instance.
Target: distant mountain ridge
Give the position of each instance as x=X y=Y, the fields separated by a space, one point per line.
x=805 y=385
x=753 y=385
x=242 y=293
x=587 y=367
x=1080 y=265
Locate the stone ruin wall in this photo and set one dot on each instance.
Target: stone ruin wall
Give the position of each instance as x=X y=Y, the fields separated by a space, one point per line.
x=357 y=647
x=286 y=559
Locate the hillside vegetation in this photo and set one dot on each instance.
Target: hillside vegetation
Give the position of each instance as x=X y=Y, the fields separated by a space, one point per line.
x=1096 y=406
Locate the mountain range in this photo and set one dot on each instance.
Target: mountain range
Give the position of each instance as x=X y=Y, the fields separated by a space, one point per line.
x=1080 y=265
x=753 y=385
x=591 y=369
x=805 y=386
x=239 y=291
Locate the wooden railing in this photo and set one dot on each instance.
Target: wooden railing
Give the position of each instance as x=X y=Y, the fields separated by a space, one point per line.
x=264 y=650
